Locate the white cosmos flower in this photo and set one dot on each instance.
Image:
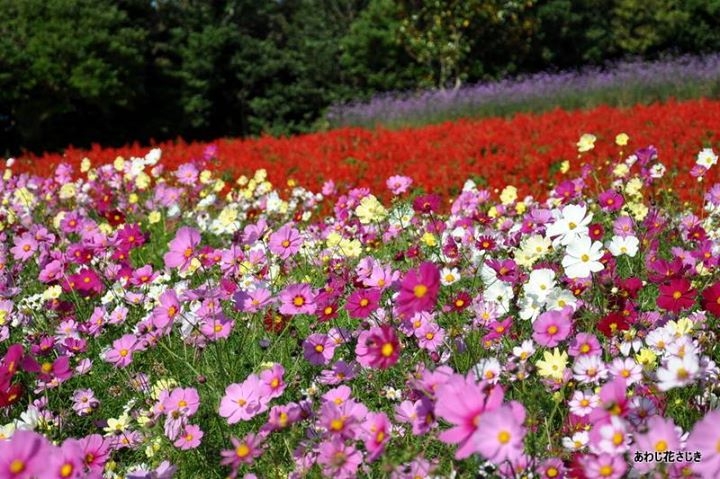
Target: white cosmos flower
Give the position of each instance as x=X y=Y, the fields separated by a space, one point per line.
x=570 y=226
x=559 y=298
x=707 y=158
x=582 y=257
x=678 y=372
x=620 y=245
x=540 y=284
x=449 y=276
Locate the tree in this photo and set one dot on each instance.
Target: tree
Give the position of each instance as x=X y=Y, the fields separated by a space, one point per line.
x=66 y=66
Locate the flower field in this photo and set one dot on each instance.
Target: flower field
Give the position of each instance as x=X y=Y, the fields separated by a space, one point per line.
x=535 y=297
x=523 y=151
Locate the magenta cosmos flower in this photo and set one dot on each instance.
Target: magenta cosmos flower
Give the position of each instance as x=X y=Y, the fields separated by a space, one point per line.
x=182 y=248
x=378 y=348
x=297 y=299
x=676 y=295
x=286 y=241
x=338 y=460
x=552 y=327
x=362 y=302
x=419 y=290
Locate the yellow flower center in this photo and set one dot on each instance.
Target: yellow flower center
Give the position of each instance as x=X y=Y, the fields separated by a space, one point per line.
x=606 y=470
x=46 y=367
x=420 y=290
x=285 y=244
x=298 y=301
x=364 y=302
x=242 y=450
x=585 y=258
x=123 y=352
x=552 y=329
x=661 y=446
x=66 y=470
x=17 y=466
x=387 y=350
x=319 y=348
x=677 y=294
x=337 y=424
x=503 y=437
x=188 y=252
x=618 y=438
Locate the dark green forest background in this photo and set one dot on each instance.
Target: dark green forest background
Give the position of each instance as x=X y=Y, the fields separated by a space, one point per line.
x=113 y=72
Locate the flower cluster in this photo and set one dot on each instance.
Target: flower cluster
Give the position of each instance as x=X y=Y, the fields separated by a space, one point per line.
x=155 y=321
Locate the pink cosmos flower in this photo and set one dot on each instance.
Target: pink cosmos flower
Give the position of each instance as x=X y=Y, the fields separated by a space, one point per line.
x=419 y=414
x=499 y=436
x=338 y=460
x=25 y=247
x=244 y=401
x=273 y=379
x=584 y=344
x=297 y=299
x=244 y=451
x=430 y=336
x=122 y=351
x=23 y=456
x=183 y=248
x=376 y=434
x=286 y=241
x=661 y=436
x=552 y=327
x=398 y=184
x=462 y=402
x=419 y=290
x=165 y=313
x=189 y=438
x=182 y=402
x=705 y=437
x=378 y=347
x=67 y=462
x=604 y=466
x=318 y=349
x=252 y=301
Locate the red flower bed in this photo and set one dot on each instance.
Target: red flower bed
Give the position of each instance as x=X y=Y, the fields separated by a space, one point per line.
x=518 y=151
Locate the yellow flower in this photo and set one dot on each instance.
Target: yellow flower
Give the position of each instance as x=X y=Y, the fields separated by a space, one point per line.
x=681 y=327
x=205 y=176
x=53 y=292
x=105 y=228
x=564 y=167
x=646 y=357
x=622 y=139
x=553 y=364
x=370 y=209
x=24 y=197
x=133 y=198
x=493 y=212
x=260 y=175
x=228 y=215
x=350 y=248
x=67 y=191
x=119 y=163
x=242 y=181
x=621 y=170
x=218 y=186
x=634 y=187
x=520 y=208
x=429 y=239
x=117 y=425
x=586 y=143
x=85 y=165
x=508 y=195
x=154 y=217
x=333 y=239
x=162 y=385
x=142 y=180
